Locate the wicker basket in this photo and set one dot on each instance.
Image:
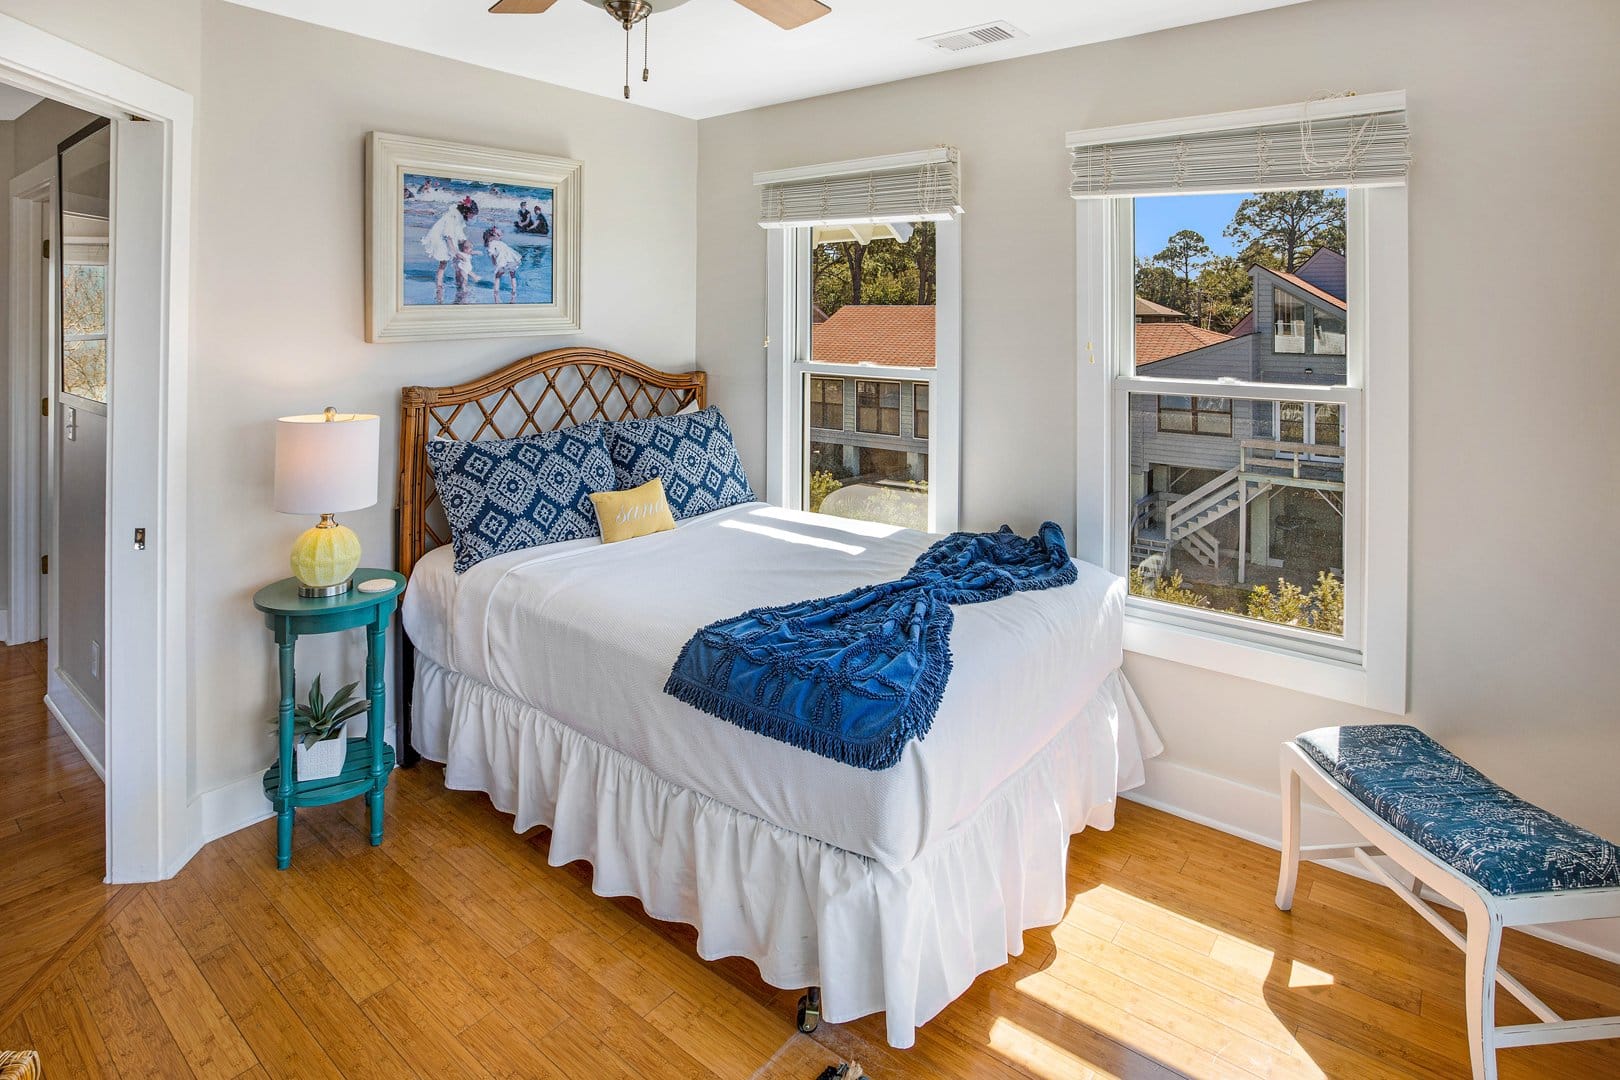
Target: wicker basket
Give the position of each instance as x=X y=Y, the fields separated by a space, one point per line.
x=19 y=1065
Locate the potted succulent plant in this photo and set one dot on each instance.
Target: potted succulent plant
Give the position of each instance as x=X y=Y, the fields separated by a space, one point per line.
x=319 y=745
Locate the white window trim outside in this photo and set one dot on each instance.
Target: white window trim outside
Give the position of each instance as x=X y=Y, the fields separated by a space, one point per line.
x=1368 y=667
x=787 y=350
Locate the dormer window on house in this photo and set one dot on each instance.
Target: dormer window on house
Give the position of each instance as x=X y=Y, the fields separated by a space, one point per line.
x=1302 y=326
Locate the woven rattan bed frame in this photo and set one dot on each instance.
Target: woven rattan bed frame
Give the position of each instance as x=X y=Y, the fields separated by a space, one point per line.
x=536 y=394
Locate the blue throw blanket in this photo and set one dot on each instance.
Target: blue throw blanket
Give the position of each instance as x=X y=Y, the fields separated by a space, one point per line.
x=856 y=677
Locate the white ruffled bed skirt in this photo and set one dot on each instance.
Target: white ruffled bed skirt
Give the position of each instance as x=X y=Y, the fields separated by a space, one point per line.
x=903 y=941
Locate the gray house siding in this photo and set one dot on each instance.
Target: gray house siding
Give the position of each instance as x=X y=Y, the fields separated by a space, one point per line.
x=1150 y=446
x=906 y=442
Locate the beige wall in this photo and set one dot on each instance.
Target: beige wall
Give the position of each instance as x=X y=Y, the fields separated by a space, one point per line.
x=1514 y=380
x=279 y=304
x=160 y=38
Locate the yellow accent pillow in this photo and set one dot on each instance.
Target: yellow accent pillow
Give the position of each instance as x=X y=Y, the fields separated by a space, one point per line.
x=637 y=511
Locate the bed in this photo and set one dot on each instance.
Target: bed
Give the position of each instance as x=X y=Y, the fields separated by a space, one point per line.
x=537 y=676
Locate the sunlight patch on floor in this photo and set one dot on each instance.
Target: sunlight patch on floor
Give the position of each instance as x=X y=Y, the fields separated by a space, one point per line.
x=1301 y=975
x=1029 y=1051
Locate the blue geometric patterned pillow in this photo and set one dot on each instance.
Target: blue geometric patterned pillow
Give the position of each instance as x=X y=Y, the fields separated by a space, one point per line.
x=509 y=494
x=693 y=454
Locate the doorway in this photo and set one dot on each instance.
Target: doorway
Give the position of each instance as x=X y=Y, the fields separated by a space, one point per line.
x=151 y=825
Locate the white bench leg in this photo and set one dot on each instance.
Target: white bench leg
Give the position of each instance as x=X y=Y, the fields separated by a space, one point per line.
x=1288 y=876
x=1479 y=986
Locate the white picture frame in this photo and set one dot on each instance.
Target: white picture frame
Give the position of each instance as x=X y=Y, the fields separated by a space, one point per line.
x=401 y=305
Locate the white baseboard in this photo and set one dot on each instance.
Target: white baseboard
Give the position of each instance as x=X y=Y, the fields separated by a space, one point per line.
x=232 y=807
x=1255 y=814
x=85 y=715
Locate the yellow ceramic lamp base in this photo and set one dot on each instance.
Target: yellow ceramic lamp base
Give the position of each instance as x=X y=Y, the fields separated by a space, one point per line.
x=324 y=558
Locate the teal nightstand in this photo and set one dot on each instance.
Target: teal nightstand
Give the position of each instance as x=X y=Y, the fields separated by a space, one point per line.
x=369 y=760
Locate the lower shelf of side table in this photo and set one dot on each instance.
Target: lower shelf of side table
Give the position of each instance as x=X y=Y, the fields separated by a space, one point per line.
x=355 y=779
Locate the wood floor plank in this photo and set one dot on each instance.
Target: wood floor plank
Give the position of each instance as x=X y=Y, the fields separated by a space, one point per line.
x=356 y=1046
x=213 y=1046
x=428 y=1047
x=65 y=1034
x=455 y=950
x=126 y=1018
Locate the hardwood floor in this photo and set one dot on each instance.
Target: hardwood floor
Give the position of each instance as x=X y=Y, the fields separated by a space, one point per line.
x=453 y=950
x=51 y=826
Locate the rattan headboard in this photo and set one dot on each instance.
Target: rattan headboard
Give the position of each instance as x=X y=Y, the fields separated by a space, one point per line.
x=535 y=394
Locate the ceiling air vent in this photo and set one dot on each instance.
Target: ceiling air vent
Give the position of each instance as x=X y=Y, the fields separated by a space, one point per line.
x=975 y=36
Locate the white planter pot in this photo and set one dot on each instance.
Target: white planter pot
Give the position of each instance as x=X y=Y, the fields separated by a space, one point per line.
x=324 y=760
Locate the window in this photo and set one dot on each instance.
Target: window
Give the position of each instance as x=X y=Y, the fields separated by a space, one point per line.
x=84 y=327
x=1193 y=415
x=864 y=282
x=1304 y=423
x=1262 y=553
x=1288 y=322
x=1328 y=333
x=877 y=407
x=827 y=404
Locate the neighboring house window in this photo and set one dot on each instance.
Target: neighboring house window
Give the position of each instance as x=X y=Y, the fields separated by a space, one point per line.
x=919 y=409
x=877 y=407
x=1264 y=553
x=1193 y=415
x=1297 y=323
x=827 y=403
x=1309 y=423
x=1328 y=334
x=1287 y=322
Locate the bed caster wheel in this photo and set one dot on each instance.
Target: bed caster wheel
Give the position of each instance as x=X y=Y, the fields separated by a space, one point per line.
x=810 y=1010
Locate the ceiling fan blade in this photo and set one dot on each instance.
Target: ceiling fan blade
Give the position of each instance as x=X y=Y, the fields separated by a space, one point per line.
x=788 y=14
x=521 y=7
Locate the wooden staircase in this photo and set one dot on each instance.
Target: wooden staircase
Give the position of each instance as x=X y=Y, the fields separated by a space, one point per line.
x=1187 y=520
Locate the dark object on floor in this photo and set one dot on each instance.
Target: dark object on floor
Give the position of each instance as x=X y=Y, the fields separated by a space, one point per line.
x=849 y=1070
x=810 y=1010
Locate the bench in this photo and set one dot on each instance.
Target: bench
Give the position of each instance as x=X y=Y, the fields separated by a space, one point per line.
x=1444 y=824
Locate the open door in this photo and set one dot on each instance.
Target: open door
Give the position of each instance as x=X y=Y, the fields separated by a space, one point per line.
x=137 y=544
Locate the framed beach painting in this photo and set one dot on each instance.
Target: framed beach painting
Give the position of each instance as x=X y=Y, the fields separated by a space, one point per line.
x=465 y=241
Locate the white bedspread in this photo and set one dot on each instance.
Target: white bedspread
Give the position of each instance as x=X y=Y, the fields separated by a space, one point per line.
x=587 y=633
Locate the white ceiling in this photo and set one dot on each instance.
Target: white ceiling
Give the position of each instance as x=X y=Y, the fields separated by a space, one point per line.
x=711 y=57
x=15 y=102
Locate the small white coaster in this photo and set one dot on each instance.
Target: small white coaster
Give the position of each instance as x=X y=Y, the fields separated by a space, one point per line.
x=376 y=585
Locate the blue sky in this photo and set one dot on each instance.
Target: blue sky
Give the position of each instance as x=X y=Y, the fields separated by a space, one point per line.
x=1159 y=216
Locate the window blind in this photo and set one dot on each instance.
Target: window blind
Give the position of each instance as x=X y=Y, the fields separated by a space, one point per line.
x=922 y=186
x=1354 y=141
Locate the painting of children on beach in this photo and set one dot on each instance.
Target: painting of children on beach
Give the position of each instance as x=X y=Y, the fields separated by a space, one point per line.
x=475 y=242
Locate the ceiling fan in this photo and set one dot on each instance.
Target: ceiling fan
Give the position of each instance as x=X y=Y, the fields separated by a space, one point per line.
x=788 y=14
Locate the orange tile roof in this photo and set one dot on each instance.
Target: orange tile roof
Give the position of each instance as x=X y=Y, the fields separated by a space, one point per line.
x=1160 y=341
x=892 y=335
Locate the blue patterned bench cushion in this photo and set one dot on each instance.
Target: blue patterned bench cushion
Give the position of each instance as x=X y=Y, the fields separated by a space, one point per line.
x=1450 y=808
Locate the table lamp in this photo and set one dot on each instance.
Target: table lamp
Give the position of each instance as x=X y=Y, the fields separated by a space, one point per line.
x=326 y=464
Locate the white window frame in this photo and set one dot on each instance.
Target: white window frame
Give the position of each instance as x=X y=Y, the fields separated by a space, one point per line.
x=789 y=363
x=1368 y=667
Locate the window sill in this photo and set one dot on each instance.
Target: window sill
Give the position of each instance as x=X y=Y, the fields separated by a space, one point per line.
x=1344 y=677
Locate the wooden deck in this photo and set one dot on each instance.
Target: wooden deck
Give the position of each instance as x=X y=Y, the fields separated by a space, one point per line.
x=453 y=950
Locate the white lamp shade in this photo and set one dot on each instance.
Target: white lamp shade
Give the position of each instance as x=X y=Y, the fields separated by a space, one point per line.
x=326 y=466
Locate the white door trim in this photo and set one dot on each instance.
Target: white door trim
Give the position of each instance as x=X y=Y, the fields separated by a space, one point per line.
x=152 y=826
x=28 y=300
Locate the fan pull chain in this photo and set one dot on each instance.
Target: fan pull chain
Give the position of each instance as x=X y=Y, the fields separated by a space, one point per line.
x=627 y=63
x=646 y=32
